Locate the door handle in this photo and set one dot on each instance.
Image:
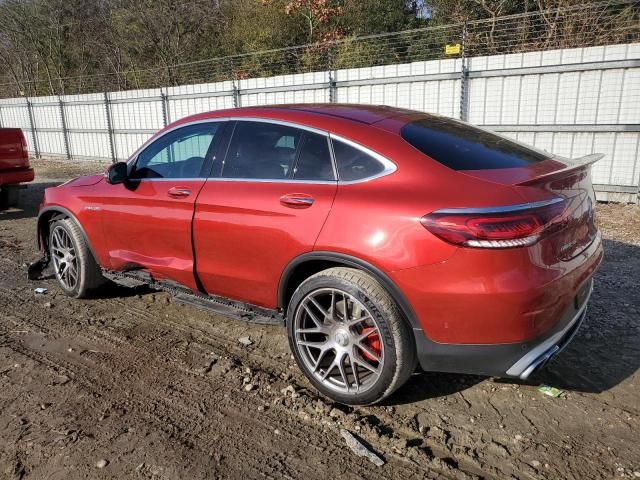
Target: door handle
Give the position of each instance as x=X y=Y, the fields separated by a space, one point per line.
x=179 y=192
x=297 y=200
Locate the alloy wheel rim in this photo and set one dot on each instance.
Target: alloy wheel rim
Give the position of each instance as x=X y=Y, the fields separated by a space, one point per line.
x=65 y=260
x=339 y=341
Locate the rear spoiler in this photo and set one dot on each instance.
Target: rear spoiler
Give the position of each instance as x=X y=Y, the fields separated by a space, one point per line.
x=573 y=165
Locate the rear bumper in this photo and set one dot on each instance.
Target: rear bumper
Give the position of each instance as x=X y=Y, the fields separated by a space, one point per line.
x=11 y=177
x=506 y=360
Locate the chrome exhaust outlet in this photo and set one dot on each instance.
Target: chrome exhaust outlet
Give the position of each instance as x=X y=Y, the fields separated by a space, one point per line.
x=539 y=362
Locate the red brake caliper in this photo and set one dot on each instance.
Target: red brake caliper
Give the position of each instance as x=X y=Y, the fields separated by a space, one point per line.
x=373 y=342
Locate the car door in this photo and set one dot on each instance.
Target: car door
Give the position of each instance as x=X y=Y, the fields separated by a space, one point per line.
x=265 y=205
x=147 y=220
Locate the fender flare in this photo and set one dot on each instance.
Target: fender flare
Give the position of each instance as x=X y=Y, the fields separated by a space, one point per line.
x=350 y=261
x=53 y=209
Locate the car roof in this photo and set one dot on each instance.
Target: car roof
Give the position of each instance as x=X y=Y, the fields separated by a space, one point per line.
x=362 y=114
x=367 y=114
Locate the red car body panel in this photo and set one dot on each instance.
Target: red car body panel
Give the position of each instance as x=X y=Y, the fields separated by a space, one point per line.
x=247 y=237
x=235 y=238
x=14 y=158
x=147 y=226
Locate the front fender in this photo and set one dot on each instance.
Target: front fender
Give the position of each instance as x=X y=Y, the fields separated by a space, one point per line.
x=44 y=218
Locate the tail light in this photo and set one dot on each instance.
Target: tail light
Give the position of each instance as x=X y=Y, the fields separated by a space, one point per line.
x=25 y=149
x=500 y=227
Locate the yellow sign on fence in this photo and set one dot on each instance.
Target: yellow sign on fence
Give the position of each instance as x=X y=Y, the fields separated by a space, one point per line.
x=452 y=49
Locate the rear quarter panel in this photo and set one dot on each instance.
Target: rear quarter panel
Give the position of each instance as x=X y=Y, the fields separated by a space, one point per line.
x=379 y=220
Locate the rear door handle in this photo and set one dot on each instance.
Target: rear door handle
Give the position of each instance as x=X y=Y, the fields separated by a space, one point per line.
x=179 y=192
x=297 y=200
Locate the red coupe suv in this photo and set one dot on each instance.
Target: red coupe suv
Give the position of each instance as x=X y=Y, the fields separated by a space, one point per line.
x=382 y=237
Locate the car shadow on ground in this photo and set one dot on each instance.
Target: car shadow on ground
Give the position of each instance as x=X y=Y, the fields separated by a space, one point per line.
x=113 y=290
x=606 y=349
x=426 y=385
x=28 y=201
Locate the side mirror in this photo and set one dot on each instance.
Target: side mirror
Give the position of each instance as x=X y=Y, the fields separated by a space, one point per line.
x=116 y=173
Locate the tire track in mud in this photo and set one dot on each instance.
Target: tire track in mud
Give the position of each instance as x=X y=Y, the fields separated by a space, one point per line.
x=176 y=419
x=220 y=344
x=223 y=345
x=568 y=434
x=143 y=330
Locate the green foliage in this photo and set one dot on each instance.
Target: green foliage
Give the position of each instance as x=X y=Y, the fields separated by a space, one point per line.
x=76 y=46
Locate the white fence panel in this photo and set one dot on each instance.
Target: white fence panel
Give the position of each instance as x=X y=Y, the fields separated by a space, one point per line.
x=570 y=102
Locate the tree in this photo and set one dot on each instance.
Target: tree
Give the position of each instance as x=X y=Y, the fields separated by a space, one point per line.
x=319 y=15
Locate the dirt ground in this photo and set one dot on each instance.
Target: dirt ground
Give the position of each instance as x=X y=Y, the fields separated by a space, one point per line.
x=135 y=385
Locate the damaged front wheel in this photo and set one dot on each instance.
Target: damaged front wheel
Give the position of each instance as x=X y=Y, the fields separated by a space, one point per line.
x=73 y=263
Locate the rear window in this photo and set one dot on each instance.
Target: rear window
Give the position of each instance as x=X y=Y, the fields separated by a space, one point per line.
x=354 y=164
x=462 y=147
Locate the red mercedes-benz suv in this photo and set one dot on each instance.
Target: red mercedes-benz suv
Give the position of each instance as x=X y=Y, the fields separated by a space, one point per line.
x=382 y=237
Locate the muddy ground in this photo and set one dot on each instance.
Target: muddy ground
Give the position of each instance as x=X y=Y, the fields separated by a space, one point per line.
x=134 y=385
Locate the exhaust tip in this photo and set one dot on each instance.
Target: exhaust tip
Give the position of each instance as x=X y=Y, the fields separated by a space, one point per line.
x=539 y=362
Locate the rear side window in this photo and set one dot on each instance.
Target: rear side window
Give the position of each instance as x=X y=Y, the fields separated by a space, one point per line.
x=261 y=150
x=463 y=147
x=314 y=159
x=353 y=163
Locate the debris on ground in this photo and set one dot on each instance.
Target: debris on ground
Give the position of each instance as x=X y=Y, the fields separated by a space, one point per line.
x=40 y=291
x=359 y=449
x=550 y=391
x=101 y=463
x=246 y=341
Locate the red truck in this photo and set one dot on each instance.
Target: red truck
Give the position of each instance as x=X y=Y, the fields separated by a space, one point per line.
x=14 y=163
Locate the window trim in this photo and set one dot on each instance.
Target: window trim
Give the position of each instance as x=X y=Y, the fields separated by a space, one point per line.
x=331 y=158
x=389 y=166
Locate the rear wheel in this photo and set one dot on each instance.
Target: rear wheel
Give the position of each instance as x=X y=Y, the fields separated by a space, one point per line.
x=76 y=270
x=348 y=336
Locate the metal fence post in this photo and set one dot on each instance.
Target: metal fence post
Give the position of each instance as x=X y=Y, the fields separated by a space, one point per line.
x=464 y=77
x=65 y=131
x=237 y=102
x=107 y=107
x=165 y=108
x=333 y=86
x=34 y=134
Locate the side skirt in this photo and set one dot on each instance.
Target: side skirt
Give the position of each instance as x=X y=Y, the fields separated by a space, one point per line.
x=210 y=303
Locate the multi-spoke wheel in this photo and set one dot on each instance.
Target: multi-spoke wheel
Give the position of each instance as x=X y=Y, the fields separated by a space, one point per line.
x=73 y=263
x=65 y=260
x=348 y=336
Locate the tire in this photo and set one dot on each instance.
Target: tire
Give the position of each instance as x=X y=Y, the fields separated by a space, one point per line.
x=373 y=336
x=88 y=274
